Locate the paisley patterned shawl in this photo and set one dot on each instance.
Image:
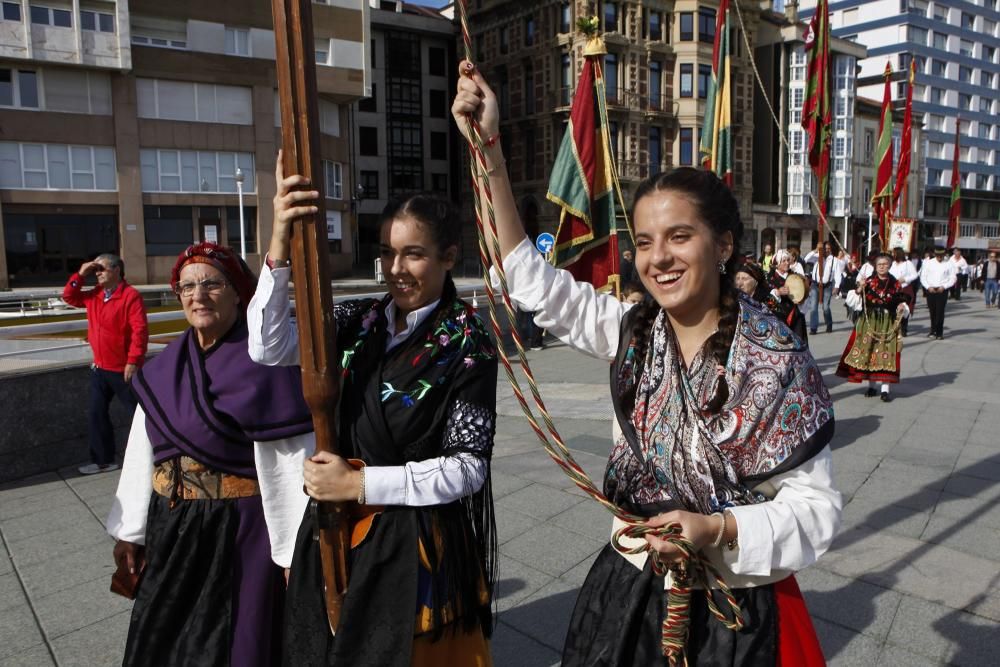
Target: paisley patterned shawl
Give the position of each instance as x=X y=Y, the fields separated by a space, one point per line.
x=673 y=454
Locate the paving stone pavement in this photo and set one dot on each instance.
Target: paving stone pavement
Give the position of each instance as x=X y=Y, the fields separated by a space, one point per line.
x=913 y=578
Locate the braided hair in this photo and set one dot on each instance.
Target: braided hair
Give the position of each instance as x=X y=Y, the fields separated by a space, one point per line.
x=716 y=207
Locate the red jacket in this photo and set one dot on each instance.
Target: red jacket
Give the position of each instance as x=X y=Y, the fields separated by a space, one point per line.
x=116 y=328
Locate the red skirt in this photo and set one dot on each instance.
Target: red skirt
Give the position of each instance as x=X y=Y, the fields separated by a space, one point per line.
x=798 y=645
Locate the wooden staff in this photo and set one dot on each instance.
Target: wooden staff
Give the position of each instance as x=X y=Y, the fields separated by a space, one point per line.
x=296 y=69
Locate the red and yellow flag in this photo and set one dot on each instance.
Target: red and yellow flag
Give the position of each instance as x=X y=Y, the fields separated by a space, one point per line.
x=716 y=135
x=955 y=212
x=817 y=114
x=906 y=141
x=582 y=184
x=882 y=197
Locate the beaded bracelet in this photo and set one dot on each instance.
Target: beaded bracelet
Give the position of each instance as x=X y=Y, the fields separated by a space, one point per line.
x=361 y=489
x=717 y=542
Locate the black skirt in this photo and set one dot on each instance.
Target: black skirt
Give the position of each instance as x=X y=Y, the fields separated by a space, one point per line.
x=210 y=594
x=618 y=615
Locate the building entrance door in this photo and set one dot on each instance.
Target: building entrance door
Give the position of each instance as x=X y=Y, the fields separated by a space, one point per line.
x=44 y=249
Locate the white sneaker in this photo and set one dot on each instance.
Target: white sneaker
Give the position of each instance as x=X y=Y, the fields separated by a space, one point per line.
x=93 y=468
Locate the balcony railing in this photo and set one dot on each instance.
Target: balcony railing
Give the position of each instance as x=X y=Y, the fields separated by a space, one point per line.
x=617 y=100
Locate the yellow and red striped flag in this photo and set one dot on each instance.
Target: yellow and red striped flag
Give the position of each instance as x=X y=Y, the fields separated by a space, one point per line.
x=716 y=135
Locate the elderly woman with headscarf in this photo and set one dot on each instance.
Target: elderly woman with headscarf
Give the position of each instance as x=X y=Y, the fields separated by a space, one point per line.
x=211 y=487
x=788 y=310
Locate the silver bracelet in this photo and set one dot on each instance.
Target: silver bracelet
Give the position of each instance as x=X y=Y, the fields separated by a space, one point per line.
x=361 y=491
x=722 y=530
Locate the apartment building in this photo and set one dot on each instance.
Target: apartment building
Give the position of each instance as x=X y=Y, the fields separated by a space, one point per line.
x=403 y=135
x=783 y=182
x=127 y=125
x=956 y=46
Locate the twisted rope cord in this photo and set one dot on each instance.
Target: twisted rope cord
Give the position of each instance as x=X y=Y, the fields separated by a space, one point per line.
x=677 y=617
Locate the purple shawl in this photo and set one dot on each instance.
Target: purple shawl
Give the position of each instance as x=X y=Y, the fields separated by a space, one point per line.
x=212 y=405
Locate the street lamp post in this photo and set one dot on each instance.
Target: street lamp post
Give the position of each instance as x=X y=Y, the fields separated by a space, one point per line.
x=239 y=192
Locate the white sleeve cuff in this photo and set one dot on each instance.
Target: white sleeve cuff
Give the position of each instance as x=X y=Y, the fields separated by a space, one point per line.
x=755 y=541
x=279 y=472
x=273 y=340
x=385 y=485
x=436 y=481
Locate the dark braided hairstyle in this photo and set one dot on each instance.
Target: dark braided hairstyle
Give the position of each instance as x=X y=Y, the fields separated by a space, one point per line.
x=717 y=208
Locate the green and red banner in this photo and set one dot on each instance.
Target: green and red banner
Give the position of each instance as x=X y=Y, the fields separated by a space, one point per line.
x=955 y=211
x=582 y=184
x=716 y=135
x=882 y=197
x=906 y=141
x=817 y=112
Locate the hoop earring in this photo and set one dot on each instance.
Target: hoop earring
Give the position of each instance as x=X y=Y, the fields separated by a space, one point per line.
x=722 y=266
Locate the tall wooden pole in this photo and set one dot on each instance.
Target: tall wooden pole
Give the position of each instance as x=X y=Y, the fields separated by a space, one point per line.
x=296 y=69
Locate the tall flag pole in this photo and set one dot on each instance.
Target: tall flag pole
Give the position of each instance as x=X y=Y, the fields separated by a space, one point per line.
x=906 y=141
x=582 y=182
x=882 y=197
x=716 y=136
x=817 y=116
x=955 y=212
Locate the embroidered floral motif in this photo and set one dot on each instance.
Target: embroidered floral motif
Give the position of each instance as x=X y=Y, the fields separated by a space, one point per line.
x=366 y=326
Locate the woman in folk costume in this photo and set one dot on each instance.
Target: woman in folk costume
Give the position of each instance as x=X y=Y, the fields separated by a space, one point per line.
x=872 y=352
x=752 y=281
x=211 y=486
x=418 y=408
x=789 y=310
x=724 y=417
x=906 y=274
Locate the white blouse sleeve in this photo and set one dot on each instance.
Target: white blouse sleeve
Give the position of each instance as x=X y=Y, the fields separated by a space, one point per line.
x=279 y=472
x=127 y=519
x=795 y=527
x=435 y=481
x=274 y=340
x=574 y=312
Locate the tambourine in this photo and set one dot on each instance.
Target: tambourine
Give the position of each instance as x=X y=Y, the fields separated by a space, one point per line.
x=798 y=288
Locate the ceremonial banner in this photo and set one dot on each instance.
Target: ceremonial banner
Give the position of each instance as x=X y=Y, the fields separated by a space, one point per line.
x=583 y=185
x=817 y=119
x=905 y=143
x=901 y=234
x=882 y=197
x=716 y=136
x=955 y=211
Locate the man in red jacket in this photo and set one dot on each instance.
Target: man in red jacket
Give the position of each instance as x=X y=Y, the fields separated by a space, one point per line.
x=118 y=335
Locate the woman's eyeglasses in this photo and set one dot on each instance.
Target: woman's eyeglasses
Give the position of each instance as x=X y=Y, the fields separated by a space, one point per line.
x=209 y=285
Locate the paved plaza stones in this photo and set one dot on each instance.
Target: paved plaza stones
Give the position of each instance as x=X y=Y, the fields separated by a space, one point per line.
x=913 y=578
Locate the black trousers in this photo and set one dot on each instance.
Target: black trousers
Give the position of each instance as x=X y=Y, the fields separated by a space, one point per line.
x=935 y=305
x=105 y=385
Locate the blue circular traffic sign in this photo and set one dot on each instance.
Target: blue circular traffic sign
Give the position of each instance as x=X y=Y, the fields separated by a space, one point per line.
x=545 y=243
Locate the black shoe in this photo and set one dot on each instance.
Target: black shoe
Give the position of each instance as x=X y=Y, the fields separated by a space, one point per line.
x=931 y=335
x=885 y=397
x=829 y=329
x=940 y=337
x=812 y=332
x=871 y=393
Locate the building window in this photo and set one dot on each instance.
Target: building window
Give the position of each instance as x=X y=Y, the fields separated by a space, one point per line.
x=439 y=145
x=984 y=130
x=917 y=35
x=706 y=25
x=610 y=17
x=687 y=80
x=967 y=230
x=687 y=146
x=965 y=74
x=968 y=21
x=504 y=39
x=167 y=170
x=611 y=76
x=655 y=150
x=985 y=79
x=145 y=40
x=985 y=105
x=322 y=51
x=704 y=80
x=940 y=12
x=566 y=73
x=436 y=60
x=940 y=41
x=97 y=21
x=12 y=11
x=438 y=106
x=169 y=229
x=60 y=18
x=982 y=181
x=937 y=95
x=198 y=102
x=655 y=26
x=938 y=67
x=965 y=48
x=19 y=89
x=529 y=31
x=687 y=27
x=57 y=167
x=368 y=140
x=565 y=16
x=439 y=183
x=964 y=101
x=655 y=83
x=933 y=176
x=369 y=104
x=369 y=184
x=613 y=137
x=333 y=179
x=233 y=226
x=529 y=88
x=237 y=42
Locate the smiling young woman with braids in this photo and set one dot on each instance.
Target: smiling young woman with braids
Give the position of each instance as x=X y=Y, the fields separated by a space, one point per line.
x=725 y=423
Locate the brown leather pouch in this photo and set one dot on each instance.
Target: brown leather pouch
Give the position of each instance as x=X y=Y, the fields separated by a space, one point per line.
x=125 y=583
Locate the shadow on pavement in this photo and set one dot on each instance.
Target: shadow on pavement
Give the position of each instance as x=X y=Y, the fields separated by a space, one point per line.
x=849 y=431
